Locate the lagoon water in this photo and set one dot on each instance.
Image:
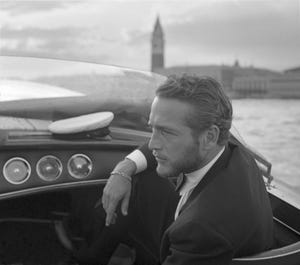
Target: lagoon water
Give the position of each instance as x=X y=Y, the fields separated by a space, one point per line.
x=272 y=127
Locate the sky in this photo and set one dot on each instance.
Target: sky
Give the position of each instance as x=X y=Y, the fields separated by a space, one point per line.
x=260 y=33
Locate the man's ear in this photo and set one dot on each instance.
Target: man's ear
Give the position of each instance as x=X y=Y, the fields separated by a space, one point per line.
x=211 y=136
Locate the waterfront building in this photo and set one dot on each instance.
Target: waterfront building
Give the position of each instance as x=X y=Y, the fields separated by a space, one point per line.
x=238 y=81
x=295 y=70
x=280 y=85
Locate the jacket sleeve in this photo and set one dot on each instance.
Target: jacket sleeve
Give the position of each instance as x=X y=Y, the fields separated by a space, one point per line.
x=151 y=162
x=196 y=245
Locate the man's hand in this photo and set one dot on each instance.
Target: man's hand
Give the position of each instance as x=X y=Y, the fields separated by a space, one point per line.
x=118 y=189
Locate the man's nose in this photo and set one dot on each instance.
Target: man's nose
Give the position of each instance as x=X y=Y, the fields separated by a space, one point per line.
x=154 y=142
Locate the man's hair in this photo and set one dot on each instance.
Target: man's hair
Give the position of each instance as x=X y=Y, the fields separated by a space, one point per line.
x=211 y=104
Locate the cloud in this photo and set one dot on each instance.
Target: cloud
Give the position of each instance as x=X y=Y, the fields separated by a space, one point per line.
x=137 y=37
x=20 y=7
x=39 y=39
x=85 y=44
x=243 y=25
x=255 y=31
x=119 y=32
x=36 y=32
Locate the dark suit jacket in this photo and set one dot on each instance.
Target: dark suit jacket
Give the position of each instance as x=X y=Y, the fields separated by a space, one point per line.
x=227 y=215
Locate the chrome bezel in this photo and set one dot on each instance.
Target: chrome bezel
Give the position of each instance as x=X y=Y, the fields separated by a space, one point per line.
x=39 y=173
x=17 y=159
x=90 y=167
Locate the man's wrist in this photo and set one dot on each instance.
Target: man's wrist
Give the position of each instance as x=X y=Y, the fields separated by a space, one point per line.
x=122 y=174
x=126 y=167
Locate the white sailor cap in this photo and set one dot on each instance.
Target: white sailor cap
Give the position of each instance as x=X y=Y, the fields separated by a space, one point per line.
x=82 y=125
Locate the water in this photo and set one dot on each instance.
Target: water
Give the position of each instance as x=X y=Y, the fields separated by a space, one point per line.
x=272 y=127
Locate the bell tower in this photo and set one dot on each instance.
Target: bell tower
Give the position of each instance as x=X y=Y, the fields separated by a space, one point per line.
x=158 y=43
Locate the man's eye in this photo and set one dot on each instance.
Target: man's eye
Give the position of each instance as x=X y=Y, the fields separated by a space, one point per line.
x=164 y=132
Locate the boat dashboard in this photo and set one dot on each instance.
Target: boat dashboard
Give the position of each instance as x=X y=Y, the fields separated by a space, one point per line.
x=42 y=163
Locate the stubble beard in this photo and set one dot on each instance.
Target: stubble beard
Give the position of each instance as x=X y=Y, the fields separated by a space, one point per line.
x=188 y=162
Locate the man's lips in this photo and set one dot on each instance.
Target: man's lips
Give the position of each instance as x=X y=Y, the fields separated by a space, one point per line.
x=159 y=158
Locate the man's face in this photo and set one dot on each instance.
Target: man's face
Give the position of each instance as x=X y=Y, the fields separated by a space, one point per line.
x=172 y=142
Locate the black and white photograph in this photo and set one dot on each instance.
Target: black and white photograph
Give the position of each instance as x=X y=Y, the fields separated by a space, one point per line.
x=150 y=132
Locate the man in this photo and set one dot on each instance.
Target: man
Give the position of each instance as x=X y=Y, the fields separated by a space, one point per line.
x=224 y=210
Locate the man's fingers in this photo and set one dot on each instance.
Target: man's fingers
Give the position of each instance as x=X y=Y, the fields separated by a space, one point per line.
x=114 y=218
x=109 y=219
x=125 y=203
x=105 y=198
x=108 y=192
x=110 y=213
x=117 y=190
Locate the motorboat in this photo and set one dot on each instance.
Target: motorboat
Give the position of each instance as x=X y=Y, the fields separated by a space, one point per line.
x=44 y=173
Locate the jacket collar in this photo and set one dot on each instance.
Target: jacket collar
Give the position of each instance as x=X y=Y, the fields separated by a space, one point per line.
x=219 y=165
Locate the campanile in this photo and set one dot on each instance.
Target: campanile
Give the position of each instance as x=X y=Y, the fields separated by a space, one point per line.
x=158 y=43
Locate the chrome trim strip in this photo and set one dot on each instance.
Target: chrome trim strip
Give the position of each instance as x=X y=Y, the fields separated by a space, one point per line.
x=26 y=220
x=287 y=226
x=52 y=187
x=269 y=257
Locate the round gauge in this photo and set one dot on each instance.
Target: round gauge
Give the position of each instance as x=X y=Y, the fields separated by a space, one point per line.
x=80 y=166
x=16 y=170
x=49 y=168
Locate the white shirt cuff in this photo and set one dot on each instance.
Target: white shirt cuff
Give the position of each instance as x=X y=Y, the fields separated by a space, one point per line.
x=139 y=159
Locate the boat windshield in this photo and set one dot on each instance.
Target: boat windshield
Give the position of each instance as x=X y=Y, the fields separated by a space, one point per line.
x=35 y=91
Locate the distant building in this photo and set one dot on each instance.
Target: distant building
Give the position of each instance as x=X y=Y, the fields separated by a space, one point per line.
x=158 y=47
x=286 y=85
x=233 y=78
x=238 y=81
x=251 y=86
x=295 y=70
x=270 y=86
